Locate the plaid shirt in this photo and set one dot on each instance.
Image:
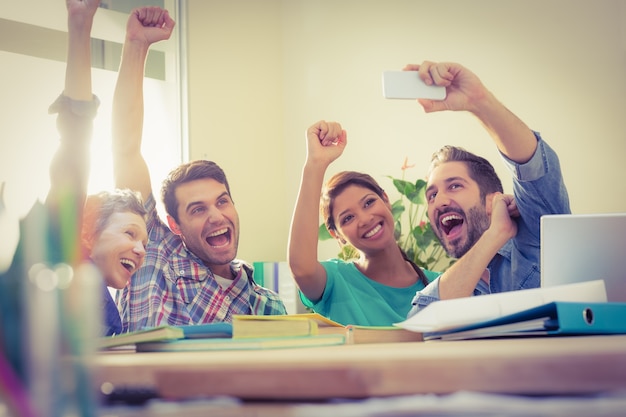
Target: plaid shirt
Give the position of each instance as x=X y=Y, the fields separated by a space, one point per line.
x=175 y=287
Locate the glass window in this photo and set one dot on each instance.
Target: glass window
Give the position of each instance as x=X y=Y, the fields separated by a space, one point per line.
x=32 y=57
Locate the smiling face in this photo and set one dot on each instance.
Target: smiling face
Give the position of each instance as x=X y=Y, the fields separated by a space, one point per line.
x=118 y=251
x=456 y=211
x=363 y=219
x=208 y=223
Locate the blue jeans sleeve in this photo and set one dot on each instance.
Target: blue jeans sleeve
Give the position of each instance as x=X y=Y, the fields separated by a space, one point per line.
x=424 y=297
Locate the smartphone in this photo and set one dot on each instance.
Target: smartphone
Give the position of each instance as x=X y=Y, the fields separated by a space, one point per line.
x=408 y=85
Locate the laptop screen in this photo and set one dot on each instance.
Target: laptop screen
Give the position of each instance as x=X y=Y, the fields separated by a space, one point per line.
x=585 y=247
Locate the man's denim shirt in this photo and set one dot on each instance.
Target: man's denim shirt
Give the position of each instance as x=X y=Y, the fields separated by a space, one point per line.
x=539 y=189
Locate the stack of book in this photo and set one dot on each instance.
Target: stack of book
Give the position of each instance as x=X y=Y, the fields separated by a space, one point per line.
x=570 y=309
x=256 y=332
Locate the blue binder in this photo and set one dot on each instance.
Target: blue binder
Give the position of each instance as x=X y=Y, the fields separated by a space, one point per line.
x=555 y=318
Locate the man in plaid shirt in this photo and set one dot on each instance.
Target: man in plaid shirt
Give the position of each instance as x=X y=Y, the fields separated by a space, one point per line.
x=190 y=273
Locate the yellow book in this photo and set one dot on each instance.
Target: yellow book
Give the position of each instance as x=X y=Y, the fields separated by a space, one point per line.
x=296 y=325
x=356 y=334
x=251 y=326
x=382 y=334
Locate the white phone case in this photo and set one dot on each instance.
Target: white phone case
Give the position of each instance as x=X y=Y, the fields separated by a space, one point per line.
x=408 y=85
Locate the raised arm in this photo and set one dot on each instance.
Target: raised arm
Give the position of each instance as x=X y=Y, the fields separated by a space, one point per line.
x=80 y=14
x=325 y=143
x=145 y=26
x=466 y=92
x=76 y=108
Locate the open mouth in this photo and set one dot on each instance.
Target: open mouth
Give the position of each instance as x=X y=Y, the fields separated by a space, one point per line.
x=128 y=264
x=449 y=222
x=219 y=238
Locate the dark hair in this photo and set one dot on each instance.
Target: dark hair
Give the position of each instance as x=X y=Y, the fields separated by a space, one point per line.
x=480 y=170
x=336 y=185
x=100 y=207
x=191 y=171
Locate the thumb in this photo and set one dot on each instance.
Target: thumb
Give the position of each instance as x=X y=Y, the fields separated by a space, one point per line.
x=343 y=138
x=431 y=106
x=490 y=202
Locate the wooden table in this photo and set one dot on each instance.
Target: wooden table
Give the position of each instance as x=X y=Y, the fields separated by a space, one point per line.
x=544 y=365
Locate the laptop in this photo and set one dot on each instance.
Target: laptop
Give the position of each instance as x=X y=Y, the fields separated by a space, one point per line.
x=585 y=247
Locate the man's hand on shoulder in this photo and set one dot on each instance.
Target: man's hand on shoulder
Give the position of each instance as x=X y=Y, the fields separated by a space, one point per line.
x=502 y=209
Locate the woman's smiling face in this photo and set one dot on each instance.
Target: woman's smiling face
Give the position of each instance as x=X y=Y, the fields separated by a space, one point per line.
x=120 y=248
x=363 y=219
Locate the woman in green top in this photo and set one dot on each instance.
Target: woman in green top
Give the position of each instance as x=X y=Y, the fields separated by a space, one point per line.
x=377 y=288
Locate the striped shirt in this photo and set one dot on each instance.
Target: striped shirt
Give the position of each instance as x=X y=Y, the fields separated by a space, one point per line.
x=174 y=286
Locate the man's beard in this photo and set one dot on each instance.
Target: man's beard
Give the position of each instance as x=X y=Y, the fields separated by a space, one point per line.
x=477 y=221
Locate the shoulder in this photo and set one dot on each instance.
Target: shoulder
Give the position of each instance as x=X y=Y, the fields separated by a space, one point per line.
x=339 y=266
x=165 y=260
x=162 y=242
x=249 y=271
x=431 y=275
x=263 y=300
x=156 y=227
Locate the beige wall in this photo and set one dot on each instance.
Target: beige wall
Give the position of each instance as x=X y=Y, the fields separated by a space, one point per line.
x=260 y=72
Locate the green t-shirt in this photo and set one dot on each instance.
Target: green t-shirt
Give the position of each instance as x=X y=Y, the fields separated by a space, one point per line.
x=352 y=298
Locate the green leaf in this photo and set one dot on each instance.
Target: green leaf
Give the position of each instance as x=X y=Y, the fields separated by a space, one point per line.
x=420 y=184
x=397 y=208
x=404 y=187
x=418 y=195
x=397 y=230
x=423 y=237
x=428 y=231
x=323 y=233
x=348 y=252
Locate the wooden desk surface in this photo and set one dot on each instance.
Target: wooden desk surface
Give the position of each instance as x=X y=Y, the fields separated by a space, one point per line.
x=549 y=365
